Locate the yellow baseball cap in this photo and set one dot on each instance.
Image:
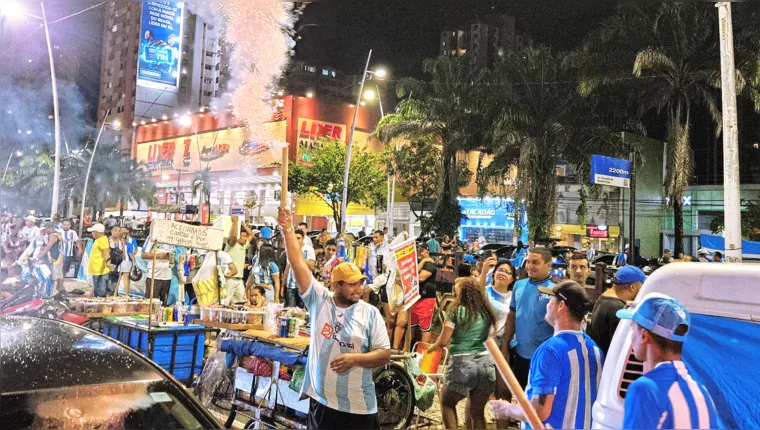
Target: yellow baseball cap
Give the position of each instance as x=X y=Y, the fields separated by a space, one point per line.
x=348 y=273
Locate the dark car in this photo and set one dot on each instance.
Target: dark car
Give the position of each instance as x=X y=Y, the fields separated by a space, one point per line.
x=54 y=374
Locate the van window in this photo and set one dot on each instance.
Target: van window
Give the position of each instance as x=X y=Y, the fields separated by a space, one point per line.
x=722 y=353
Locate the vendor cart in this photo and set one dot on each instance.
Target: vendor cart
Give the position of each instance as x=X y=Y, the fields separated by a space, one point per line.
x=270 y=402
x=177 y=348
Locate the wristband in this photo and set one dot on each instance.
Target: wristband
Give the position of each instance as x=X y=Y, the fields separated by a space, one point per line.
x=289 y=229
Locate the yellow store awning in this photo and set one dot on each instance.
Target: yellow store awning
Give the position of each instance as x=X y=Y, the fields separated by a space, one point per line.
x=314 y=206
x=581 y=230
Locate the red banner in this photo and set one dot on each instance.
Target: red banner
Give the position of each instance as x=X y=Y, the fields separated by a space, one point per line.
x=406 y=259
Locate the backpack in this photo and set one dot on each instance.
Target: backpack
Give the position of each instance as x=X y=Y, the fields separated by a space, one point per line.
x=116 y=256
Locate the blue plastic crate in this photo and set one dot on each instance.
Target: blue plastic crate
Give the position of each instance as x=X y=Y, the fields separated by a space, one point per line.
x=179 y=350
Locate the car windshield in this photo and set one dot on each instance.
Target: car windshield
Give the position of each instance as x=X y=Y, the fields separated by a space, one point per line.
x=56 y=375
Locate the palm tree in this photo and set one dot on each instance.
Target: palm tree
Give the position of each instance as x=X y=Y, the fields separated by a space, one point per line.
x=672 y=51
x=543 y=120
x=451 y=109
x=202 y=184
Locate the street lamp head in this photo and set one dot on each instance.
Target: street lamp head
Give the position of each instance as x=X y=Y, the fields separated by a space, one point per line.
x=116 y=124
x=19 y=153
x=11 y=9
x=381 y=73
x=369 y=95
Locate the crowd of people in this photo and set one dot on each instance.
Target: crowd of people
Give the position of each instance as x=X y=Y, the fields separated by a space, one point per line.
x=555 y=352
x=542 y=325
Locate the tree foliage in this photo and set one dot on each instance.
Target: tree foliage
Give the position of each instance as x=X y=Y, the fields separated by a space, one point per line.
x=452 y=109
x=750 y=220
x=114 y=180
x=667 y=58
x=324 y=180
x=542 y=120
x=418 y=166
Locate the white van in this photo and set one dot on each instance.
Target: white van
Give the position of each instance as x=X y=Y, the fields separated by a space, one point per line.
x=722 y=350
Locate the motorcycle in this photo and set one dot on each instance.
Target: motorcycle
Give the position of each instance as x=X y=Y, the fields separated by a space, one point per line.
x=30 y=300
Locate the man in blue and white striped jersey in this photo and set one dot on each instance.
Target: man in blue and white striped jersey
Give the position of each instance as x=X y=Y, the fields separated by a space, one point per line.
x=666 y=397
x=68 y=241
x=348 y=340
x=565 y=370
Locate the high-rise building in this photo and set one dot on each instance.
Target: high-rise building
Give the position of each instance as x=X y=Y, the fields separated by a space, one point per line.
x=482 y=40
x=160 y=61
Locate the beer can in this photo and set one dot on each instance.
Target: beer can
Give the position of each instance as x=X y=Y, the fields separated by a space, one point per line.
x=292 y=327
x=168 y=314
x=283 y=327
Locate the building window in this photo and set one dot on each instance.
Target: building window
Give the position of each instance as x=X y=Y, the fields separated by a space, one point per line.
x=209 y=54
x=114 y=28
x=208 y=80
x=325 y=72
x=333 y=74
x=207 y=93
x=208 y=67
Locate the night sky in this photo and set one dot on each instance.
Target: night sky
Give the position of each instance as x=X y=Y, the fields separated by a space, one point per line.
x=402 y=33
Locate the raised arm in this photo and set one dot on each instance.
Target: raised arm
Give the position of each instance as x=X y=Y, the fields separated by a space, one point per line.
x=232 y=240
x=297 y=262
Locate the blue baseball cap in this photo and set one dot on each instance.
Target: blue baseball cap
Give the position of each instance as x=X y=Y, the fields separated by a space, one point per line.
x=629 y=275
x=659 y=314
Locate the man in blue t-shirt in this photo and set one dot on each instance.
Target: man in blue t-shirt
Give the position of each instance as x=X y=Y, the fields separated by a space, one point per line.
x=433 y=245
x=565 y=370
x=525 y=321
x=666 y=397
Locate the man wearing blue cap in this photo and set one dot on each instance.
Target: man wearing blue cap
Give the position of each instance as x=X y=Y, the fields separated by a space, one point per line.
x=626 y=285
x=666 y=397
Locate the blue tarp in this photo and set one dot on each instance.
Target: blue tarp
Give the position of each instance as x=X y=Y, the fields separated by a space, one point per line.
x=245 y=348
x=721 y=354
x=750 y=250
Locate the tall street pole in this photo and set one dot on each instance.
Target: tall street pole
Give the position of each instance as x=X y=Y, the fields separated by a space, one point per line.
x=344 y=201
x=87 y=177
x=731 y=195
x=57 y=171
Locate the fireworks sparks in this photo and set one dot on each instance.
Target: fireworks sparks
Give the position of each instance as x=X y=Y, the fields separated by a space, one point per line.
x=258 y=32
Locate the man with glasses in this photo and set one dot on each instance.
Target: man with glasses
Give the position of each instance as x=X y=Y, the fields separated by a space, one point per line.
x=348 y=340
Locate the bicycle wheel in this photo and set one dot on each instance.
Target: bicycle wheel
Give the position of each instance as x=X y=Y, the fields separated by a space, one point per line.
x=395 y=396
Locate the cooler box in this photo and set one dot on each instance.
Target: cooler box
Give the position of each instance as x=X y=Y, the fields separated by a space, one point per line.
x=177 y=349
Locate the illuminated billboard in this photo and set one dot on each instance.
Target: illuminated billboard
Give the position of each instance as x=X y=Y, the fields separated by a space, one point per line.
x=160 y=42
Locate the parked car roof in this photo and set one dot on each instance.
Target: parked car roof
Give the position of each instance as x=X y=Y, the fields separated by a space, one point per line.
x=54 y=371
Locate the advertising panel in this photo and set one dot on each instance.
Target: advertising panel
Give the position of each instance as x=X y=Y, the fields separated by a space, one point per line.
x=406 y=260
x=615 y=172
x=221 y=150
x=492 y=219
x=597 y=232
x=310 y=134
x=160 y=42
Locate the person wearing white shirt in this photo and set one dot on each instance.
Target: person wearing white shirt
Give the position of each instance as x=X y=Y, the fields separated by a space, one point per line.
x=30 y=230
x=68 y=241
x=348 y=341
x=292 y=299
x=162 y=276
x=305 y=229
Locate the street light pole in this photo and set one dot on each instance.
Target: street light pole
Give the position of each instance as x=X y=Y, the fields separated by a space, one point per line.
x=731 y=194
x=344 y=201
x=57 y=171
x=89 y=168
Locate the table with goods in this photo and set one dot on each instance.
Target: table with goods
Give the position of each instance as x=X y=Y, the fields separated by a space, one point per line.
x=97 y=308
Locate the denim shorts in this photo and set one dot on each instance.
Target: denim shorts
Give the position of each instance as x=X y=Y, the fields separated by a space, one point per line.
x=471 y=372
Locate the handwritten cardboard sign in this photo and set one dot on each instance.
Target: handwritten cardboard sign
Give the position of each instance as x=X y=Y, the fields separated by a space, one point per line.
x=186 y=235
x=406 y=259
